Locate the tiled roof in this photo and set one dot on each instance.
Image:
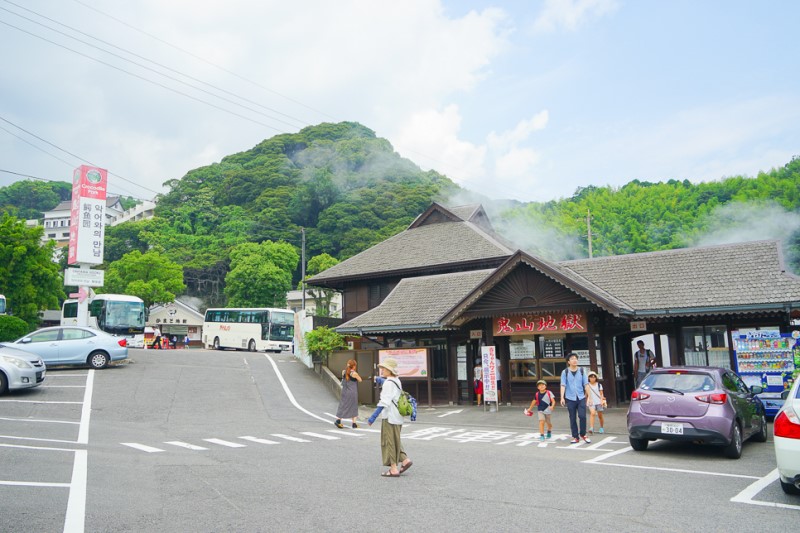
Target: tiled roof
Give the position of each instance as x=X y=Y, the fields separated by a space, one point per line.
x=417 y=303
x=465 y=212
x=683 y=280
x=425 y=246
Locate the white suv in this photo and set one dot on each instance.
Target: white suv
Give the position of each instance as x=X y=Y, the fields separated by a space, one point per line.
x=787 y=440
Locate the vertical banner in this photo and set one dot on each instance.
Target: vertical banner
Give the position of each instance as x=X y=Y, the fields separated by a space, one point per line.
x=489 y=374
x=87 y=215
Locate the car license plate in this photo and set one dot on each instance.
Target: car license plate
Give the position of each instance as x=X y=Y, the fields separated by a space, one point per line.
x=671 y=429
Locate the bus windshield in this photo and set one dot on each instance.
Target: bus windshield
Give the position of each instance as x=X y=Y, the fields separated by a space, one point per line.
x=2 y=304
x=125 y=315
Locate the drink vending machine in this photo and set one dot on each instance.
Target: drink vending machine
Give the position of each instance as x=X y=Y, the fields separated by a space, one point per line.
x=771 y=360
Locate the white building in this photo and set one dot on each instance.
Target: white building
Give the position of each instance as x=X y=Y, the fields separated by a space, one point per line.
x=177 y=319
x=56 y=221
x=294 y=301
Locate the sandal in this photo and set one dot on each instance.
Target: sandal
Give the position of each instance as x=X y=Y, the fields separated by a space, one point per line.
x=388 y=473
x=406 y=466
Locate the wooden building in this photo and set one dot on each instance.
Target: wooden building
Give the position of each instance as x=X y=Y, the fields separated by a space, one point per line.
x=449 y=284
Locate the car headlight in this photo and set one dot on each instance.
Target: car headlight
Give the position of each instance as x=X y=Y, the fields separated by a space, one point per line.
x=16 y=361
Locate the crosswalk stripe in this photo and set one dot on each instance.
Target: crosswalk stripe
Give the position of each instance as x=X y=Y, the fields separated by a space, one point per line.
x=142 y=447
x=259 y=441
x=287 y=437
x=349 y=433
x=318 y=435
x=227 y=443
x=185 y=445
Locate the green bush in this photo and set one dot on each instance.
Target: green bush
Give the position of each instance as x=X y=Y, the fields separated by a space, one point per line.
x=12 y=328
x=322 y=341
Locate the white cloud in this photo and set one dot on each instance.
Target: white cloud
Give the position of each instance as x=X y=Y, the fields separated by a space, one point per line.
x=520 y=133
x=516 y=163
x=571 y=14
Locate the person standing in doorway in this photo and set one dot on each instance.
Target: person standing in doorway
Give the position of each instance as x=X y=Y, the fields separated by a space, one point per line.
x=348 y=405
x=643 y=362
x=499 y=377
x=575 y=394
x=392 y=452
x=478 y=383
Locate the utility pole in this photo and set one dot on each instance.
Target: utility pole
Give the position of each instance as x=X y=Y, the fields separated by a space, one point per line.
x=303 y=265
x=589 y=230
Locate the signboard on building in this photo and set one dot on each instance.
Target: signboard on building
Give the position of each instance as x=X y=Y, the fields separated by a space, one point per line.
x=475 y=333
x=553 y=348
x=489 y=374
x=411 y=362
x=84 y=277
x=528 y=324
x=639 y=325
x=87 y=215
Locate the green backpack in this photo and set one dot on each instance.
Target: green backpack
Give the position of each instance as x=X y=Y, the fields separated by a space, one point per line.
x=404 y=403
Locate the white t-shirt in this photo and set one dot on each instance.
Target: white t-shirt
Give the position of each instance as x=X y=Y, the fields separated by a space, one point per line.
x=595 y=393
x=478 y=373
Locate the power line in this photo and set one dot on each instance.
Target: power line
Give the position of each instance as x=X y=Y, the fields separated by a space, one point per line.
x=71 y=165
x=4 y=171
x=150 y=68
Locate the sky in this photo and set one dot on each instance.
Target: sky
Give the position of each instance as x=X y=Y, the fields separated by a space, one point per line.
x=524 y=100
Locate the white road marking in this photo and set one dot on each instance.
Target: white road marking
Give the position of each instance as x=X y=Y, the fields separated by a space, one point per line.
x=86 y=412
x=37 y=448
x=747 y=495
x=289 y=393
x=37 y=420
x=287 y=437
x=185 y=445
x=351 y=432
x=260 y=441
x=318 y=435
x=40 y=401
x=33 y=484
x=227 y=443
x=609 y=454
x=142 y=447
x=76 y=504
x=597 y=445
x=449 y=413
x=62 y=386
x=679 y=470
x=39 y=440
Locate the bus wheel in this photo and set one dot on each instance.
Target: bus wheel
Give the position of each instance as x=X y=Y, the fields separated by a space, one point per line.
x=252 y=345
x=216 y=343
x=98 y=360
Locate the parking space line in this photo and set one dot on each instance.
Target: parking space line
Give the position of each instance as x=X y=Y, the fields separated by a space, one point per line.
x=33 y=484
x=609 y=454
x=38 y=420
x=36 y=439
x=40 y=401
x=747 y=495
x=679 y=470
x=185 y=445
x=63 y=386
x=37 y=448
x=142 y=447
x=227 y=443
x=318 y=435
x=86 y=412
x=75 y=518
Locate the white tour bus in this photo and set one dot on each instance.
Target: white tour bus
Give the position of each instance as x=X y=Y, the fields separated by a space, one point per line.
x=118 y=314
x=254 y=329
x=2 y=304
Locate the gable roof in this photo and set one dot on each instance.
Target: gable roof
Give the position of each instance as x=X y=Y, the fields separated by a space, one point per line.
x=437 y=239
x=731 y=277
x=417 y=304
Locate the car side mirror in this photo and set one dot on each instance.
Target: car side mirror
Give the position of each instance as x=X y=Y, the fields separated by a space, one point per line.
x=756 y=389
x=26 y=340
x=785 y=395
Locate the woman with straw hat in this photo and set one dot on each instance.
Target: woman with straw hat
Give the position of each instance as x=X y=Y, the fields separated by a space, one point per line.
x=392 y=451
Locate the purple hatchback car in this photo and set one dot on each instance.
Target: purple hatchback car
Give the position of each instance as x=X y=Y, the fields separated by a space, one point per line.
x=706 y=405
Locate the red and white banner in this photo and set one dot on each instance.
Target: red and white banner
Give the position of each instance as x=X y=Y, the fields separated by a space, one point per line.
x=488 y=360
x=87 y=216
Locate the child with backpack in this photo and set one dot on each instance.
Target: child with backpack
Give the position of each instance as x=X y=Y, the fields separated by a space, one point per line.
x=597 y=402
x=544 y=402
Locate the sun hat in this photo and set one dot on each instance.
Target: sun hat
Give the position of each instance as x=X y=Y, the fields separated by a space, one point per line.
x=592 y=373
x=390 y=365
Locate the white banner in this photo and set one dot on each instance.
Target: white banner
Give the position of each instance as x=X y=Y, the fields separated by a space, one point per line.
x=84 y=277
x=489 y=374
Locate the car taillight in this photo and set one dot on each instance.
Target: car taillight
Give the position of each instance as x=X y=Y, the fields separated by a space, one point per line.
x=123 y=342
x=636 y=395
x=717 y=398
x=787 y=425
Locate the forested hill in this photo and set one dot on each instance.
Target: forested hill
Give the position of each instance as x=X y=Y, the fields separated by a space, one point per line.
x=346 y=189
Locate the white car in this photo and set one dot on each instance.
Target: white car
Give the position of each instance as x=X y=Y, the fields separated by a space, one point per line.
x=787 y=441
x=19 y=370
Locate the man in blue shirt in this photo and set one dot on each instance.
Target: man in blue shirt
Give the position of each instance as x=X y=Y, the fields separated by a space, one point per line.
x=575 y=393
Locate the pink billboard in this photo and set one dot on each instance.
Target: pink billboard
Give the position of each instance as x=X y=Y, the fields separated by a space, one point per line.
x=87 y=215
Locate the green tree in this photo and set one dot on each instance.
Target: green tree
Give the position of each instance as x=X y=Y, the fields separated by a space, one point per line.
x=322 y=341
x=150 y=276
x=29 y=278
x=260 y=274
x=322 y=297
x=12 y=328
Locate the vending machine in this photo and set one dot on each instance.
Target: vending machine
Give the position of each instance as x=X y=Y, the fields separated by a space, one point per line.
x=771 y=360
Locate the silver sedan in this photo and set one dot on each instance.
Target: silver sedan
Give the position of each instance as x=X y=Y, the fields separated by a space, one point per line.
x=73 y=345
x=19 y=370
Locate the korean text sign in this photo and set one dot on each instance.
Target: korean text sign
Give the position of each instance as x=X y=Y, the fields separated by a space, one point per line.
x=87 y=215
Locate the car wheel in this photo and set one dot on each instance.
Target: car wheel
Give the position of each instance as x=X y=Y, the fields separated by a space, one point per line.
x=216 y=343
x=252 y=345
x=639 y=445
x=788 y=488
x=3 y=384
x=98 y=360
x=734 y=449
x=761 y=436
